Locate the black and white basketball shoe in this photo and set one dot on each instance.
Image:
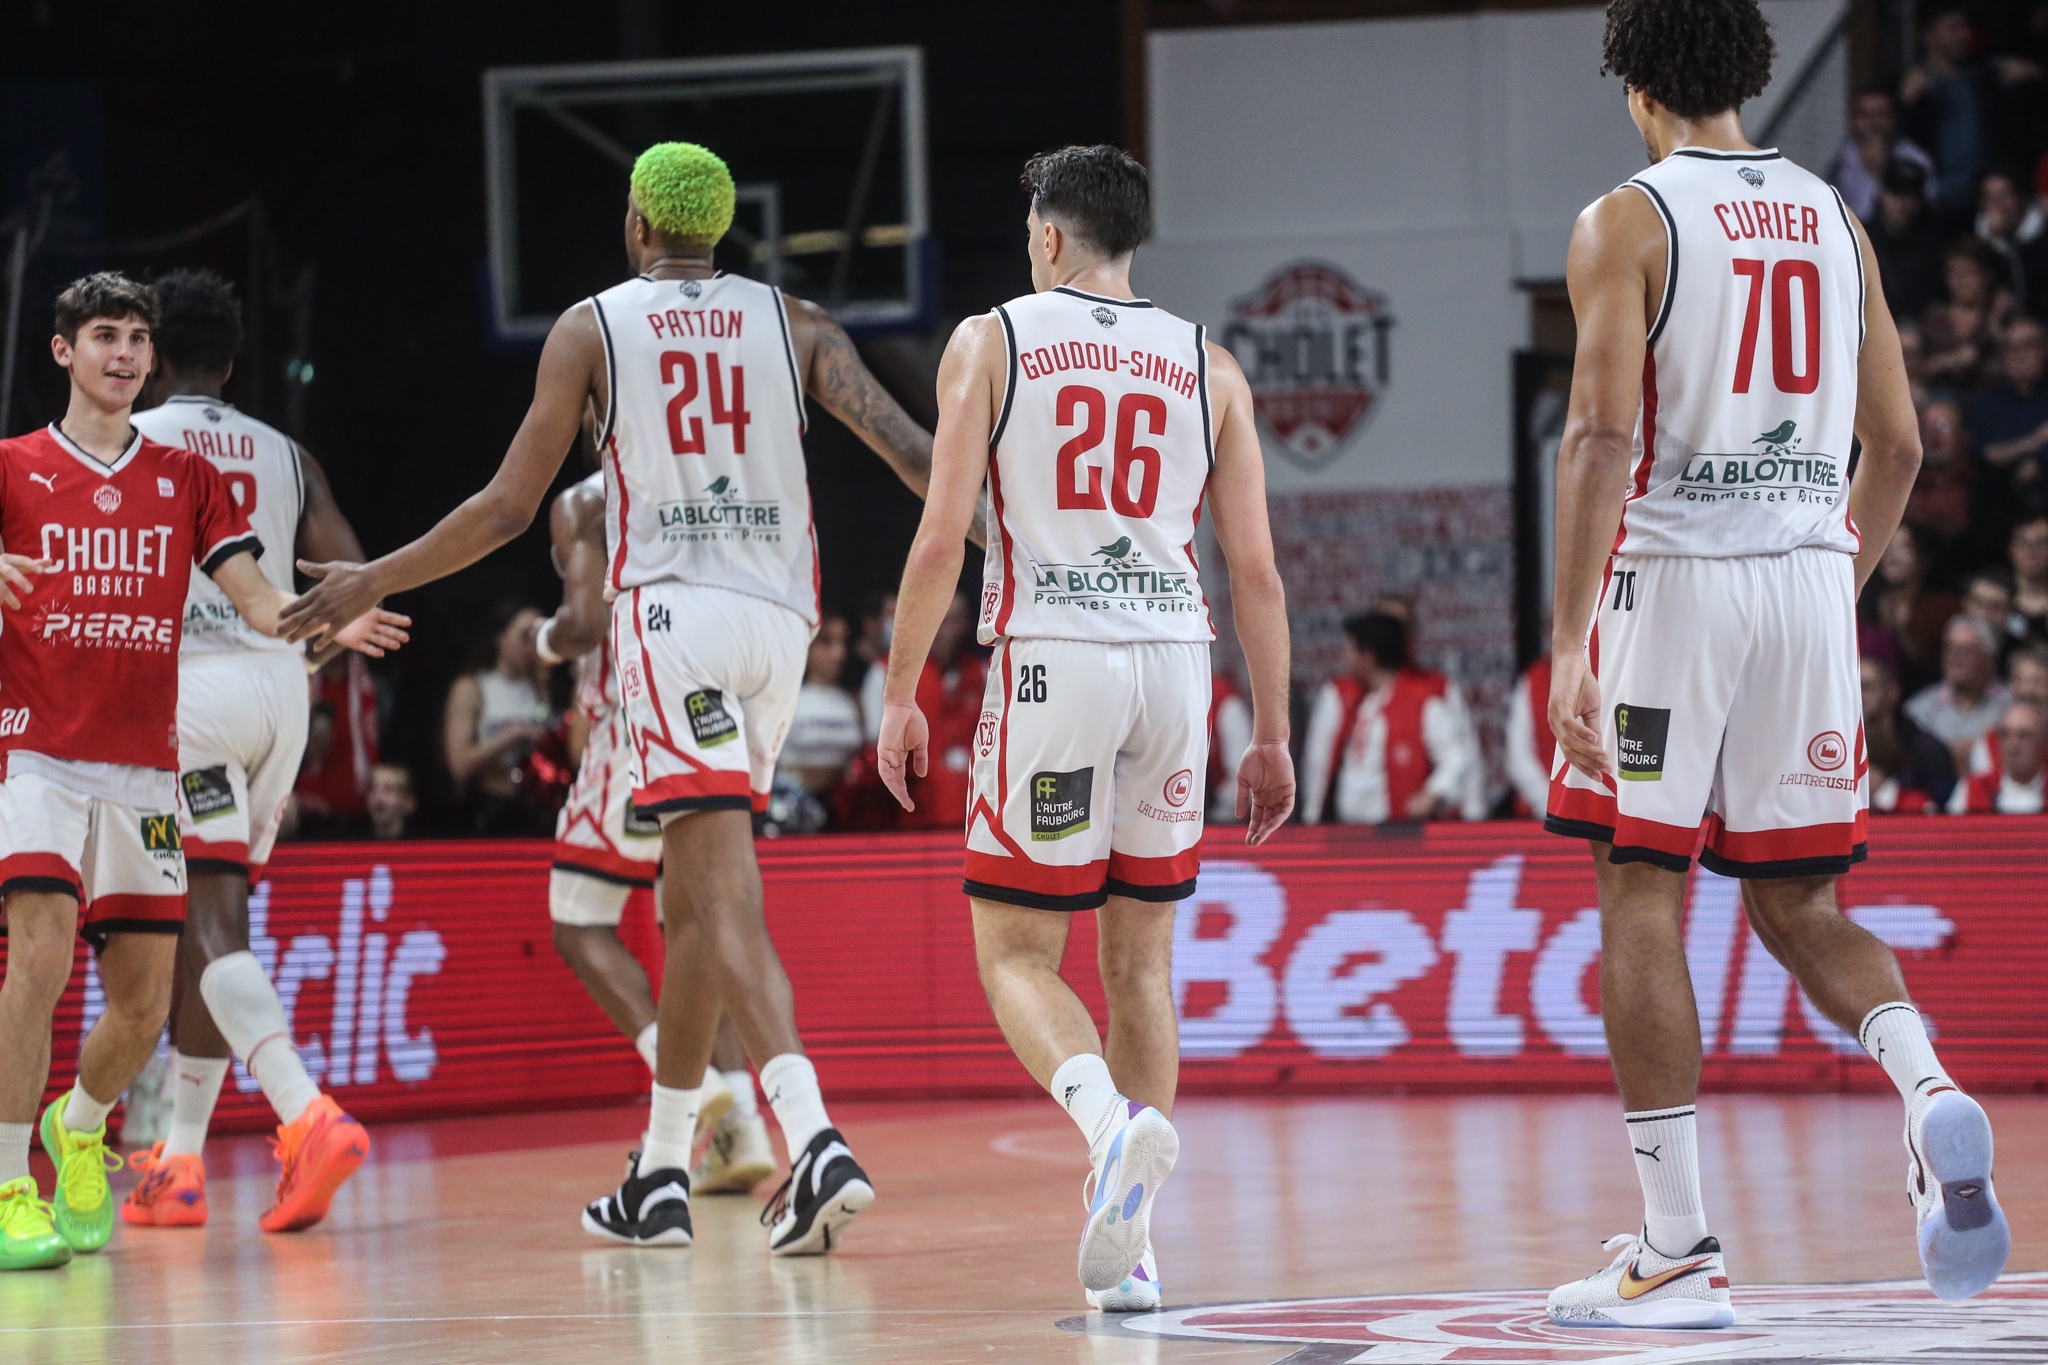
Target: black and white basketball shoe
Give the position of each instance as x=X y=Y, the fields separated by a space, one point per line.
x=647 y=1210
x=825 y=1191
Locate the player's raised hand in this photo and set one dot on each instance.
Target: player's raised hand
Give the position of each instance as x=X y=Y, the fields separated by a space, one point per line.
x=18 y=574
x=905 y=747
x=375 y=632
x=1265 y=788
x=344 y=592
x=1575 y=713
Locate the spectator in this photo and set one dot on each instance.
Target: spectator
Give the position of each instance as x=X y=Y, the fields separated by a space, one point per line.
x=1906 y=241
x=1900 y=600
x=1969 y=698
x=825 y=733
x=1872 y=144
x=1913 y=359
x=871 y=646
x=493 y=719
x=1939 y=507
x=391 y=803
x=2029 y=554
x=341 y=749
x=1961 y=331
x=949 y=692
x=2014 y=785
x=2010 y=225
x=2027 y=680
x=1230 y=734
x=1531 y=747
x=1389 y=741
x=2010 y=417
x=1911 y=772
x=1988 y=597
x=1947 y=102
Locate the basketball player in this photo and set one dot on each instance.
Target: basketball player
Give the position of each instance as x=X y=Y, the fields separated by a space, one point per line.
x=89 y=839
x=1100 y=423
x=604 y=848
x=701 y=378
x=1733 y=342
x=242 y=716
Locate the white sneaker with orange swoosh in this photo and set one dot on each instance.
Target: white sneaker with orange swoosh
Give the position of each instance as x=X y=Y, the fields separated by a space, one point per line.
x=1644 y=1288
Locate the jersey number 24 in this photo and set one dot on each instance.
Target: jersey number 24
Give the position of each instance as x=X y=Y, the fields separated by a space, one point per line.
x=686 y=432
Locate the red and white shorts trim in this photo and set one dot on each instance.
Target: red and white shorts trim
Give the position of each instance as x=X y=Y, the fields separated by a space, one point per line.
x=122 y=862
x=242 y=719
x=1729 y=693
x=1087 y=779
x=709 y=680
x=604 y=848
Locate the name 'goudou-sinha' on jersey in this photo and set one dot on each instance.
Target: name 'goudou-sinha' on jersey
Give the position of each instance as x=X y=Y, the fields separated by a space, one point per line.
x=703 y=444
x=261 y=465
x=1749 y=387
x=1097 y=467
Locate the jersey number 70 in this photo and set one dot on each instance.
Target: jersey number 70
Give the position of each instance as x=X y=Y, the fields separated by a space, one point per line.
x=686 y=432
x=1784 y=366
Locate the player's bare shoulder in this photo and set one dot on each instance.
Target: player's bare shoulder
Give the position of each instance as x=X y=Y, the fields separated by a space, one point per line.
x=1621 y=227
x=578 y=514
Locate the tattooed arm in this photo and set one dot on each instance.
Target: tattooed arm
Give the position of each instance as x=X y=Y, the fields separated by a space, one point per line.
x=838 y=381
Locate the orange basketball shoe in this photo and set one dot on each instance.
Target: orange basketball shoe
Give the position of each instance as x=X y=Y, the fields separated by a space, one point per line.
x=172 y=1193
x=320 y=1150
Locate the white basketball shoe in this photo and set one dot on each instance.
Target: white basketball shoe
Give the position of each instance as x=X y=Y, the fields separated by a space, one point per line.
x=1138 y=1155
x=1964 y=1238
x=1644 y=1288
x=1138 y=1292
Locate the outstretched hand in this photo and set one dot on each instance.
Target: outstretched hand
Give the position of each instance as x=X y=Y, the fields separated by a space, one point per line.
x=343 y=593
x=905 y=747
x=17 y=573
x=1575 y=713
x=375 y=632
x=1265 y=788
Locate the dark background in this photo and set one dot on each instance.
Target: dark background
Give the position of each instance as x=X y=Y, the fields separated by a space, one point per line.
x=358 y=131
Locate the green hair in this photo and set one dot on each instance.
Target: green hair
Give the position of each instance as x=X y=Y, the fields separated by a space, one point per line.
x=684 y=191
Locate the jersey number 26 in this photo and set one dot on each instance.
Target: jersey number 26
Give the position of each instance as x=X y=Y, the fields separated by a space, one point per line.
x=1127 y=457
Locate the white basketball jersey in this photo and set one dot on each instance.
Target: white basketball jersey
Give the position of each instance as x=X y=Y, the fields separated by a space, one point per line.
x=261 y=465
x=1749 y=390
x=703 y=446
x=1097 y=467
x=597 y=683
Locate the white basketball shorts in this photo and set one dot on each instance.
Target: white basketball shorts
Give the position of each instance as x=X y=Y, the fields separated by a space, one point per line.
x=1088 y=766
x=100 y=832
x=604 y=847
x=242 y=718
x=710 y=679
x=1729 y=694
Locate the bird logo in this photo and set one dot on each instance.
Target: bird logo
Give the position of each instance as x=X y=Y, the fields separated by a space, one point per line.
x=1777 y=435
x=1118 y=553
x=721 y=488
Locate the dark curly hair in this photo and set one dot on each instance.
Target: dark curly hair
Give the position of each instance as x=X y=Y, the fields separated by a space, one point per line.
x=1697 y=58
x=1100 y=194
x=202 y=321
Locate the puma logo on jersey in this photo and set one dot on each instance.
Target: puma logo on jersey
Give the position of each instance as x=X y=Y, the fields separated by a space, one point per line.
x=48 y=481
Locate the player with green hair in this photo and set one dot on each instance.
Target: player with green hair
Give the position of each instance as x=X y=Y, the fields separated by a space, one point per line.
x=684 y=192
x=690 y=379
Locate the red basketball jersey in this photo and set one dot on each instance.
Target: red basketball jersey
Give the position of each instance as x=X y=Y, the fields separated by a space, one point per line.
x=89 y=665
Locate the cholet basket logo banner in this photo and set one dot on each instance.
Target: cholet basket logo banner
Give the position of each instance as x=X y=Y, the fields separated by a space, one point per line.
x=1315 y=346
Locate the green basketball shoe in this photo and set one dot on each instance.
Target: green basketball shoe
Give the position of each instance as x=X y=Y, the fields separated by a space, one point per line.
x=84 y=1206
x=28 y=1239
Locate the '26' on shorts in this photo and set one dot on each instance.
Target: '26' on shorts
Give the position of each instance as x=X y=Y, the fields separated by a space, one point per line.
x=1087 y=776
x=1729 y=693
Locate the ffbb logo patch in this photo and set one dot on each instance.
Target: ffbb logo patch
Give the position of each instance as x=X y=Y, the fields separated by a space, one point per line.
x=1640 y=733
x=160 y=834
x=710 y=723
x=208 y=792
x=1060 y=803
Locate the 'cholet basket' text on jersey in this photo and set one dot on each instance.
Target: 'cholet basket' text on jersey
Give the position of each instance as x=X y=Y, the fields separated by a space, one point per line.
x=703 y=444
x=1749 y=387
x=89 y=665
x=1097 y=467
x=261 y=466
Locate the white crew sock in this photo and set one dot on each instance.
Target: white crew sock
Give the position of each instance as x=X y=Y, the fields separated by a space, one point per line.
x=196 y=1086
x=83 y=1113
x=246 y=1010
x=1666 y=1143
x=792 y=1085
x=14 y=1150
x=646 y=1042
x=1897 y=1037
x=671 y=1128
x=1084 y=1089
x=741 y=1083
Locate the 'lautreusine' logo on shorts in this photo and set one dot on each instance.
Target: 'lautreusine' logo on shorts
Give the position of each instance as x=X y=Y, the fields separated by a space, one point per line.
x=1059 y=803
x=1639 y=734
